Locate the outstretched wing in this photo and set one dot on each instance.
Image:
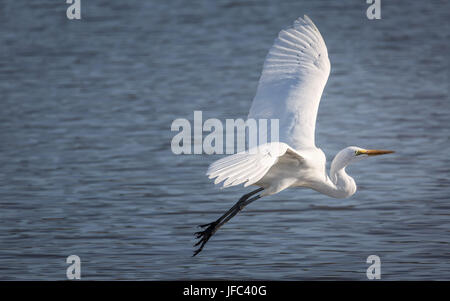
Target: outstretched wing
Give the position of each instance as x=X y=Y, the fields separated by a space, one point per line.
x=250 y=166
x=294 y=75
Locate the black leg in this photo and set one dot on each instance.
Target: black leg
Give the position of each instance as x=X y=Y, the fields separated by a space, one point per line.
x=212 y=228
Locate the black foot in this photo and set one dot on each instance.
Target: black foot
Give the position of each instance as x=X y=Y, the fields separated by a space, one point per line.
x=205 y=235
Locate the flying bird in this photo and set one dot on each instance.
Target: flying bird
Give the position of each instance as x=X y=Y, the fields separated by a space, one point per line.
x=294 y=75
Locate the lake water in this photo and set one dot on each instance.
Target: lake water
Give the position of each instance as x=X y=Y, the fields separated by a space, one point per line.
x=86 y=166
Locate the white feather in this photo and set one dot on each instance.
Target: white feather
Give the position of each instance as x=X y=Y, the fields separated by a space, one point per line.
x=294 y=75
x=247 y=167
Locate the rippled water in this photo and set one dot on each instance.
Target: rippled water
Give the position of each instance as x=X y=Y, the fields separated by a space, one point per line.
x=85 y=160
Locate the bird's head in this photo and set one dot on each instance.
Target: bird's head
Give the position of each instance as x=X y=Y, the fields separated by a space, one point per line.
x=347 y=185
x=353 y=154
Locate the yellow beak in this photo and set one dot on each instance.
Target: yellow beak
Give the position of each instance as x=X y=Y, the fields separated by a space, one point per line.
x=374 y=152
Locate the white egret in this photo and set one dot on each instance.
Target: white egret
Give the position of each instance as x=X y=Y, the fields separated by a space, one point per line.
x=294 y=75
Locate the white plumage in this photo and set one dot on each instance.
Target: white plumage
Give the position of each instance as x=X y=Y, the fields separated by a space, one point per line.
x=248 y=167
x=294 y=75
x=293 y=78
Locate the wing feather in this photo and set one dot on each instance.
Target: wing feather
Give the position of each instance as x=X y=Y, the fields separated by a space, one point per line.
x=294 y=75
x=250 y=166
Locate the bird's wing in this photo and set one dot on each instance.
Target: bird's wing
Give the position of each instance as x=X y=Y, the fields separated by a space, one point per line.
x=249 y=166
x=293 y=78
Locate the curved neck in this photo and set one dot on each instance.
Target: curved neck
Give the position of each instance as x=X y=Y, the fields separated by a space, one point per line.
x=339 y=183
